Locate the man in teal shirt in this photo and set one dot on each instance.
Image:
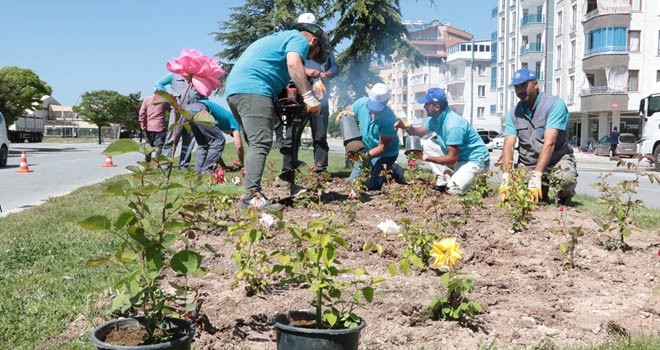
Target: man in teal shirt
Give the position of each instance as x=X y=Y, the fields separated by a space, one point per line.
x=253 y=85
x=376 y=121
x=456 y=153
x=539 y=124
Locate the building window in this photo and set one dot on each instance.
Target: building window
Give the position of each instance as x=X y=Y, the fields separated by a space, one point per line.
x=633 y=41
x=657 y=76
x=605 y=40
x=558 y=87
x=659 y=42
x=633 y=80
x=481 y=70
x=501 y=102
x=481 y=91
x=636 y=5
x=481 y=111
x=513 y=47
x=558 y=57
x=560 y=18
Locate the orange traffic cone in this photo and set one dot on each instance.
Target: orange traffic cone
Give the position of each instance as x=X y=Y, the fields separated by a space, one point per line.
x=24 y=165
x=108 y=162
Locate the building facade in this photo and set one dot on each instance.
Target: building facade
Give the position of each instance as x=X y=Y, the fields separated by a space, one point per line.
x=600 y=56
x=449 y=64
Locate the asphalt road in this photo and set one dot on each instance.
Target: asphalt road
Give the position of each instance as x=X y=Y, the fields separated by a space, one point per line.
x=59 y=169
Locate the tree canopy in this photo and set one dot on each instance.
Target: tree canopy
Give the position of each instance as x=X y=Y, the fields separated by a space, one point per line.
x=368 y=31
x=19 y=90
x=103 y=107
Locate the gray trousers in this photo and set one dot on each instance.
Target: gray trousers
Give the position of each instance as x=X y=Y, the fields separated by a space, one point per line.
x=319 y=124
x=256 y=115
x=567 y=173
x=187 y=145
x=210 y=143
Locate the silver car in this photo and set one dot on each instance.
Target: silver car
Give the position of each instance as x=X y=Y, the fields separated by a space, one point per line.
x=4 y=142
x=627 y=145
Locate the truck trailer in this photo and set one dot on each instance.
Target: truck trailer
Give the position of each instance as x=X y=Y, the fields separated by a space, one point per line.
x=649 y=143
x=28 y=128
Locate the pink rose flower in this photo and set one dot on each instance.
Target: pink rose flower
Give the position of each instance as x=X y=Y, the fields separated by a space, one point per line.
x=243 y=172
x=561 y=208
x=219 y=176
x=412 y=163
x=235 y=162
x=203 y=71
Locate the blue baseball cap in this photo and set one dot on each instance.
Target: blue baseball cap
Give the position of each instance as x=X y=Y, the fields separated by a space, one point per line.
x=434 y=95
x=522 y=76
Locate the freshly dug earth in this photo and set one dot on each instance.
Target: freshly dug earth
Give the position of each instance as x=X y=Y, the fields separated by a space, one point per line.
x=528 y=296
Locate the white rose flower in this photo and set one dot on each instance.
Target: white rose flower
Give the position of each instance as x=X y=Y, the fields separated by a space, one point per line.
x=389 y=227
x=266 y=220
x=258 y=202
x=236 y=180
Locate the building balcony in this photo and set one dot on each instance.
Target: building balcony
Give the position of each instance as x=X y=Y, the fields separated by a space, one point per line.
x=613 y=16
x=532 y=48
x=528 y=4
x=458 y=100
x=454 y=79
x=603 y=98
x=532 y=19
x=605 y=56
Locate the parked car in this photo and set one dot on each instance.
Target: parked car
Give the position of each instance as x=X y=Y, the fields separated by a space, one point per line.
x=488 y=141
x=627 y=145
x=498 y=142
x=490 y=133
x=4 y=142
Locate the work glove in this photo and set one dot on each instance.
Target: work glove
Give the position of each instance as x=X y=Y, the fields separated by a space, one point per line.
x=401 y=124
x=318 y=88
x=342 y=114
x=505 y=187
x=534 y=185
x=313 y=105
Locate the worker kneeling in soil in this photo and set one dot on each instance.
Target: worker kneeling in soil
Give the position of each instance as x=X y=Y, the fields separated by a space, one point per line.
x=456 y=153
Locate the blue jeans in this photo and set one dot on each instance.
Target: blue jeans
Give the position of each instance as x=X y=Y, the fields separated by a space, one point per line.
x=378 y=164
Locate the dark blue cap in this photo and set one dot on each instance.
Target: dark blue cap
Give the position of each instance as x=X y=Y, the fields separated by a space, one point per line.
x=434 y=95
x=522 y=76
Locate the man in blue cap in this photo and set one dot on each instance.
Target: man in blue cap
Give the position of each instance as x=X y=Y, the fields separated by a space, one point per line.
x=539 y=123
x=456 y=152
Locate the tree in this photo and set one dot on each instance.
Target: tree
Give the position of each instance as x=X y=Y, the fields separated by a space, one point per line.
x=102 y=107
x=128 y=109
x=371 y=29
x=19 y=90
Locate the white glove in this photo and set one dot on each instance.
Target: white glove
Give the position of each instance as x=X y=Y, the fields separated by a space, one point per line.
x=313 y=105
x=535 y=182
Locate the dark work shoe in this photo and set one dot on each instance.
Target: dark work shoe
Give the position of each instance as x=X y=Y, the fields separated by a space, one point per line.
x=297 y=190
x=260 y=202
x=565 y=201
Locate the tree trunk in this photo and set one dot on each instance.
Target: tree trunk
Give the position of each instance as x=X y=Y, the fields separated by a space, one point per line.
x=100 y=136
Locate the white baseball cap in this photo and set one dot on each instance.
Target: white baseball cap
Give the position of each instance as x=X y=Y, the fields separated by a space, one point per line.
x=378 y=97
x=307 y=18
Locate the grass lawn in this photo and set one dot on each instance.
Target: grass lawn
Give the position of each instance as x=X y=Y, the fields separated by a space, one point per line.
x=46 y=283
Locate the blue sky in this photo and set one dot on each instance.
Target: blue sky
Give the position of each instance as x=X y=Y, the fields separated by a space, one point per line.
x=123 y=45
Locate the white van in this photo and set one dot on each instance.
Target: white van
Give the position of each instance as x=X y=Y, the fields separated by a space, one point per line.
x=4 y=142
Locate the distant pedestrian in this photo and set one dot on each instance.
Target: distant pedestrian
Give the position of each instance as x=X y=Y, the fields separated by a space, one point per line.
x=614 y=141
x=153 y=121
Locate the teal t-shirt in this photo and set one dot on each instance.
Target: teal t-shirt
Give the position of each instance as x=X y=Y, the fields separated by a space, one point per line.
x=226 y=120
x=262 y=68
x=454 y=130
x=557 y=117
x=372 y=129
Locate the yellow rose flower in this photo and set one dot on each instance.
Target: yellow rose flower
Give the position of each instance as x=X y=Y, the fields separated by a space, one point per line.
x=446 y=252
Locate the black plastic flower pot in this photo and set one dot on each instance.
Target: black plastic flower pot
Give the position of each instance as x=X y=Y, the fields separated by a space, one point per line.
x=184 y=330
x=349 y=129
x=291 y=337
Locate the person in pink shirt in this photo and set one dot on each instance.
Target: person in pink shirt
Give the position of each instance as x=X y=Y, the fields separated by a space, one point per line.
x=154 y=123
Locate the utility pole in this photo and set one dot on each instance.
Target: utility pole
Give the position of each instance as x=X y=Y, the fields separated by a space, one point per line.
x=472 y=83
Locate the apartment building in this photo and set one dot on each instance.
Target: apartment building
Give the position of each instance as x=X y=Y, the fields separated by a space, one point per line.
x=599 y=56
x=468 y=79
x=445 y=48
